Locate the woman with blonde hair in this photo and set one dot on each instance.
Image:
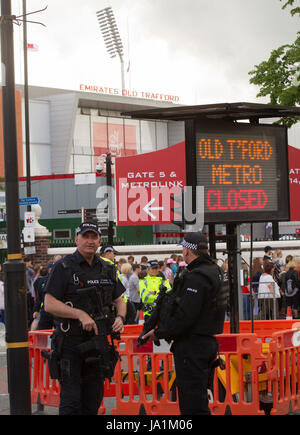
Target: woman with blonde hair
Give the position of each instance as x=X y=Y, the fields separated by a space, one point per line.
x=126 y=269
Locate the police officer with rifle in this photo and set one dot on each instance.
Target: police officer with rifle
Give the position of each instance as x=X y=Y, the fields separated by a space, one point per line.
x=84 y=296
x=190 y=315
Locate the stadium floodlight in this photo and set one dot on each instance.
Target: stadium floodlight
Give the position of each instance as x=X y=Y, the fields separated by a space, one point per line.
x=111 y=36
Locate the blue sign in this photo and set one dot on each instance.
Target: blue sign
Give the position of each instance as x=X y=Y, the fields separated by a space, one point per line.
x=28 y=201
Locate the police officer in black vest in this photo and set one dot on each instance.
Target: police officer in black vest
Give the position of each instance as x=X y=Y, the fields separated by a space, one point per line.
x=82 y=384
x=197 y=318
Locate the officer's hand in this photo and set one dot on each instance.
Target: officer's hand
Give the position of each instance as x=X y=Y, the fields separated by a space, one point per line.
x=118 y=325
x=149 y=336
x=87 y=323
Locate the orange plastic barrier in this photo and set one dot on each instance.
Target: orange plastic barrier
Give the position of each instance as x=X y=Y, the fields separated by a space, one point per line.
x=259 y=365
x=262 y=327
x=145 y=392
x=284 y=372
x=236 y=389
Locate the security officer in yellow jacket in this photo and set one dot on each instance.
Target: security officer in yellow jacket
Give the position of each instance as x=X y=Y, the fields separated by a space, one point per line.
x=108 y=254
x=150 y=287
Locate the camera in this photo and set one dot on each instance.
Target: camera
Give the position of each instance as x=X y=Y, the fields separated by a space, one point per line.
x=101 y=164
x=99 y=168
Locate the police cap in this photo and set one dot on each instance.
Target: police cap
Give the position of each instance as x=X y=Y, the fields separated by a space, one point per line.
x=105 y=249
x=195 y=241
x=88 y=226
x=152 y=263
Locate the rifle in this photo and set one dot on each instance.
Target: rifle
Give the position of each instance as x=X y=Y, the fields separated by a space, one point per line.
x=97 y=350
x=153 y=319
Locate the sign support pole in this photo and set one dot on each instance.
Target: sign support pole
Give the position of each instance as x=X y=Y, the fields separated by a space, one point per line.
x=212 y=241
x=26 y=107
x=232 y=234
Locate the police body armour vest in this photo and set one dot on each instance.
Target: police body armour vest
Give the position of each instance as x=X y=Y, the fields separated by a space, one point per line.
x=105 y=282
x=211 y=318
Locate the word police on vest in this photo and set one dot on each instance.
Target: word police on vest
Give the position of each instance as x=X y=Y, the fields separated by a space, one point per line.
x=193 y=290
x=88 y=226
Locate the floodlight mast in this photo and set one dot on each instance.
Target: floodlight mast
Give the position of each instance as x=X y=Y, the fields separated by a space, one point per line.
x=111 y=36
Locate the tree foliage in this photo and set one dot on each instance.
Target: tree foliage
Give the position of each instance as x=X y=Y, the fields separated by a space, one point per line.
x=295 y=10
x=279 y=76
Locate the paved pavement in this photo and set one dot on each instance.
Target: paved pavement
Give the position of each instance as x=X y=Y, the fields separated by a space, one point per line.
x=109 y=402
x=4 y=396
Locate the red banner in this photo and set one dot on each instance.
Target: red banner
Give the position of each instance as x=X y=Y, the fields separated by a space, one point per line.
x=145 y=184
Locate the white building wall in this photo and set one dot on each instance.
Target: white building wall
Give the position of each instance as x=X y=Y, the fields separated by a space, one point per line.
x=62 y=118
x=40 y=138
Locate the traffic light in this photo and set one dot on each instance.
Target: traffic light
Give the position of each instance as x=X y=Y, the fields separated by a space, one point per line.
x=177 y=209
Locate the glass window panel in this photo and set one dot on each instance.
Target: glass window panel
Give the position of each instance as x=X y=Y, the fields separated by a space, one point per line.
x=176 y=132
x=82 y=132
x=99 y=137
x=132 y=137
x=148 y=136
x=161 y=135
x=116 y=137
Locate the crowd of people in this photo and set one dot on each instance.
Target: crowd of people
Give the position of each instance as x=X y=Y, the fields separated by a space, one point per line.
x=134 y=275
x=274 y=286
x=131 y=273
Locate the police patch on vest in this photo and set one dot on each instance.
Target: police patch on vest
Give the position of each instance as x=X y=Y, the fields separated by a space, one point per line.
x=93 y=281
x=193 y=290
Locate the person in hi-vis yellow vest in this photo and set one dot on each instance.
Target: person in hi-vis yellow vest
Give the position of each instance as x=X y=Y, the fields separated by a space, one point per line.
x=108 y=254
x=150 y=287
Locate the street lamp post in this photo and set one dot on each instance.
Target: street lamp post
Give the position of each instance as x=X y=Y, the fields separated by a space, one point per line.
x=111 y=36
x=26 y=107
x=14 y=268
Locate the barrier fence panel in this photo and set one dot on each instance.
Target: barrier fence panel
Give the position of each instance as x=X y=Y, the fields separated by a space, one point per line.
x=260 y=372
x=146 y=389
x=284 y=372
x=44 y=390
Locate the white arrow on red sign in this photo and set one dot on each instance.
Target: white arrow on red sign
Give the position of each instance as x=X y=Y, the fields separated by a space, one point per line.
x=147 y=208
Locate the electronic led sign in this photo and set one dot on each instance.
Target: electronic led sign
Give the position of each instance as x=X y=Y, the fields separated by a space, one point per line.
x=244 y=171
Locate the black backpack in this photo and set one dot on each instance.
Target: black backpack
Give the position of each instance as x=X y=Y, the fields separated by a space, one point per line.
x=291 y=282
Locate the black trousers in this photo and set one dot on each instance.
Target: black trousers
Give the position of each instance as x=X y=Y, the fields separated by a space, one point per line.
x=194 y=356
x=82 y=386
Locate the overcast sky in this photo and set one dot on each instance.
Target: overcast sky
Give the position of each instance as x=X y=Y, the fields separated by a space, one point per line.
x=199 y=50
